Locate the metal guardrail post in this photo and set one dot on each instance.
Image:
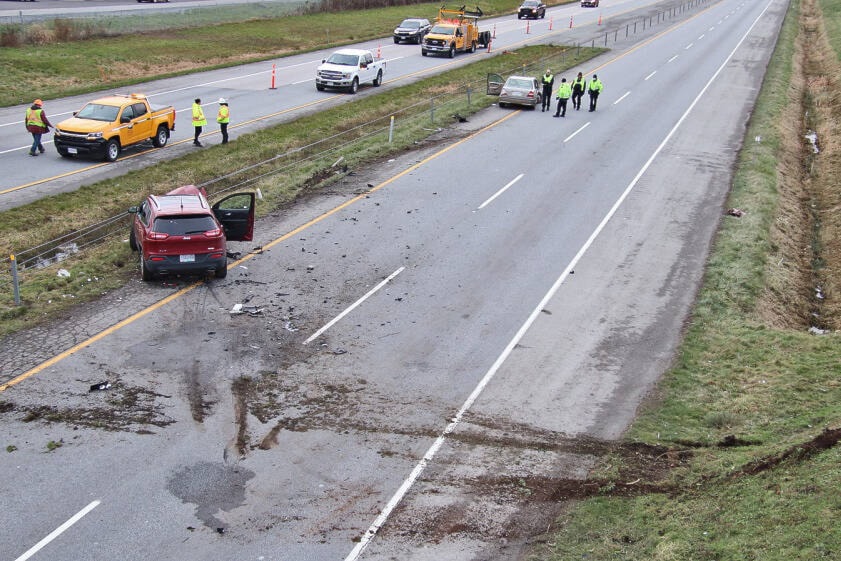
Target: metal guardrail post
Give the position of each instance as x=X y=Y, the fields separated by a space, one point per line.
x=14 y=265
x=432 y=110
x=391 y=130
x=468 y=96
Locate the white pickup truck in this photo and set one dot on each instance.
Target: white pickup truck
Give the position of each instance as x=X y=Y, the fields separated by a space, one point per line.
x=347 y=68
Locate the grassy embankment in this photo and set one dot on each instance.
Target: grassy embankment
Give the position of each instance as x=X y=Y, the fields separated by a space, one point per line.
x=58 y=69
x=748 y=367
x=94 y=271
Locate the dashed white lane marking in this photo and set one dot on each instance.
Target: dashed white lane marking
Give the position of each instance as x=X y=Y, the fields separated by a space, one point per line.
x=581 y=128
x=501 y=191
x=626 y=94
x=57 y=532
x=354 y=305
x=650 y=75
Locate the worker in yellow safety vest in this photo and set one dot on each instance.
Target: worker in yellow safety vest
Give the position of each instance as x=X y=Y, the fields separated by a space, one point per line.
x=563 y=95
x=37 y=123
x=198 y=121
x=548 y=81
x=595 y=89
x=223 y=117
x=579 y=86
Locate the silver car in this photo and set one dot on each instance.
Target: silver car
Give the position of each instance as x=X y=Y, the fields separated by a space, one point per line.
x=521 y=90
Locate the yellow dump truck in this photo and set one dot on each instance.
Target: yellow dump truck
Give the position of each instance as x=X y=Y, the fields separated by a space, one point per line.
x=455 y=31
x=105 y=126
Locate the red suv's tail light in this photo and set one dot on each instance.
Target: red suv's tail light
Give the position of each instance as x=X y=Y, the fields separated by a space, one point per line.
x=531 y=93
x=158 y=236
x=215 y=233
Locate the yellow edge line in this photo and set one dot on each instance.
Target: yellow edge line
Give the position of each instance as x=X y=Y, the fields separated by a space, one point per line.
x=134 y=317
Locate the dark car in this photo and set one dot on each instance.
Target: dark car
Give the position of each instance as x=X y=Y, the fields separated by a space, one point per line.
x=589 y=3
x=532 y=9
x=412 y=30
x=180 y=233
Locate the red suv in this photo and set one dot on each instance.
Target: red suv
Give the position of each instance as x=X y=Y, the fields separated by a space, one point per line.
x=180 y=233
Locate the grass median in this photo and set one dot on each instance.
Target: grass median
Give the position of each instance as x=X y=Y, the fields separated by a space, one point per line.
x=356 y=132
x=743 y=431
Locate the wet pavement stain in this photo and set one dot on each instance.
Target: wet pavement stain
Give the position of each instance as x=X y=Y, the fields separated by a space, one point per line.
x=211 y=487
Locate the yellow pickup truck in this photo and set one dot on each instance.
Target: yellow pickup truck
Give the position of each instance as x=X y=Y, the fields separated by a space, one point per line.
x=105 y=126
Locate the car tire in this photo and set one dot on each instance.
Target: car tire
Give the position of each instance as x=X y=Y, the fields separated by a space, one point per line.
x=396 y=40
x=502 y=105
x=354 y=86
x=473 y=47
x=112 y=150
x=221 y=272
x=319 y=87
x=423 y=52
x=132 y=240
x=378 y=81
x=161 y=137
x=63 y=152
x=452 y=51
x=519 y=16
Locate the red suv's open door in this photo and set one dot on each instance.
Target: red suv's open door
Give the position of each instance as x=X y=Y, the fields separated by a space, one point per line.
x=236 y=214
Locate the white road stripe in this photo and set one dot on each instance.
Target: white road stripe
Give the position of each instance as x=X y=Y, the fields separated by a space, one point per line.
x=57 y=532
x=671 y=59
x=689 y=46
x=581 y=128
x=626 y=94
x=501 y=191
x=650 y=75
x=354 y=305
x=369 y=534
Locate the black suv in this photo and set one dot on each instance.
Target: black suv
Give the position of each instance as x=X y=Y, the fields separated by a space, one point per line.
x=532 y=9
x=412 y=29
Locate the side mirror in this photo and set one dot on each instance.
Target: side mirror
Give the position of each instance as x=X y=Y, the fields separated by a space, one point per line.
x=323 y=60
x=125 y=120
x=132 y=210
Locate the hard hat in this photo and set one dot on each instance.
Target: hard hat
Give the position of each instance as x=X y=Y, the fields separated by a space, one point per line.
x=222 y=100
x=37 y=102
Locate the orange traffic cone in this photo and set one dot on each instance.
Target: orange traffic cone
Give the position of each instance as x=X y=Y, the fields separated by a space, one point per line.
x=379 y=51
x=550 y=23
x=570 y=22
x=600 y=19
x=494 y=35
x=489 y=44
x=528 y=27
x=273 y=78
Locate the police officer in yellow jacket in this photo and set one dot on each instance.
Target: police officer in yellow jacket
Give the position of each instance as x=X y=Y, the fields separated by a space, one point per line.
x=579 y=86
x=198 y=121
x=548 y=81
x=563 y=95
x=595 y=89
x=223 y=117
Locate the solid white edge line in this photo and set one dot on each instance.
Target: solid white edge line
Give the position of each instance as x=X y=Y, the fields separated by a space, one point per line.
x=501 y=191
x=581 y=128
x=354 y=305
x=430 y=453
x=58 y=531
x=623 y=97
x=650 y=75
